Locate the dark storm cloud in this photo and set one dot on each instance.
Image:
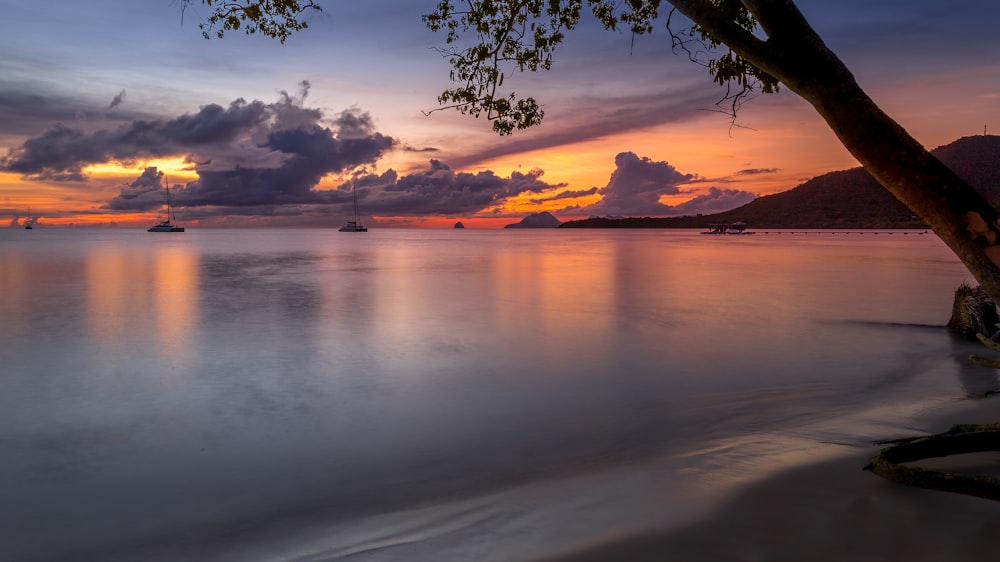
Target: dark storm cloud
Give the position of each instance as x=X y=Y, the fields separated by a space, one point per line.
x=62 y=152
x=142 y=194
x=306 y=155
x=246 y=154
x=636 y=186
x=441 y=191
x=255 y=159
x=20 y=112
x=23 y=113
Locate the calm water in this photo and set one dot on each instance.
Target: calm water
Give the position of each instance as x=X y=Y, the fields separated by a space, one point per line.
x=441 y=395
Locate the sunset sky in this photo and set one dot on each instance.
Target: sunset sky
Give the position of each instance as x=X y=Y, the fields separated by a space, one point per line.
x=250 y=132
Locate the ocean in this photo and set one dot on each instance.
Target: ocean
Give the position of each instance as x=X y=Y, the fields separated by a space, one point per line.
x=431 y=395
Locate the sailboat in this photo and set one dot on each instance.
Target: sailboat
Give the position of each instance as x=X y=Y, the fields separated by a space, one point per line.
x=353 y=226
x=167 y=224
x=27 y=223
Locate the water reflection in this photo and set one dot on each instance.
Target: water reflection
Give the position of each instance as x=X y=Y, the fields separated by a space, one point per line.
x=554 y=302
x=253 y=299
x=15 y=306
x=116 y=293
x=175 y=277
x=146 y=293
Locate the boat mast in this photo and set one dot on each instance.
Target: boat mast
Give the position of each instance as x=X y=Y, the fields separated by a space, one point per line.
x=354 y=191
x=170 y=208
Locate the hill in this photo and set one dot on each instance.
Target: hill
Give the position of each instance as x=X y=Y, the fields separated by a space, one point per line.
x=538 y=220
x=844 y=199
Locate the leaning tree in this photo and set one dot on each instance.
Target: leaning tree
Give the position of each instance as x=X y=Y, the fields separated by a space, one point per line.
x=751 y=45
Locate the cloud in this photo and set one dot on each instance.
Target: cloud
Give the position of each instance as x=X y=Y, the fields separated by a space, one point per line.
x=441 y=191
x=265 y=160
x=638 y=183
x=25 y=112
x=142 y=194
x=570 y=194
x=21 y=112
x=585 y=119
x=757 y=171
x=408 y=148
x=436 y=191
x=715 y=201
x=246 y=154
x=63 y=151
x=636 y=186
x=289 y=164
x=118 y=100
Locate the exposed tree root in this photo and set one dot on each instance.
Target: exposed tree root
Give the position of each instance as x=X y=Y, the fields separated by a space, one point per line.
x=985 y=340
x=973 y=314
x=960 y=439
x=990 y=362
x=986 y=361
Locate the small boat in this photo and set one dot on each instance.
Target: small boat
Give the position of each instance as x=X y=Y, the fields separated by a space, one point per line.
x=353 y=226
x=167 y=224
x=28 y=223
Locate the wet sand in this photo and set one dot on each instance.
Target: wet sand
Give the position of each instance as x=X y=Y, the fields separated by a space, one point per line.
x=833 y=511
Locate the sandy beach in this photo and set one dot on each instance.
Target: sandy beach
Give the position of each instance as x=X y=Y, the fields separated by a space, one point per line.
x=834 y=511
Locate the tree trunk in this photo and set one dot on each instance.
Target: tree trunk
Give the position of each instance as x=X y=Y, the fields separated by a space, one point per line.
x=795 y=55
x=956 y=212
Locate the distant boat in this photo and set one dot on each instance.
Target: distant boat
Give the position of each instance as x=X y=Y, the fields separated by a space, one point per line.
x=353 y=226
x=27 y=223
x=167 y=224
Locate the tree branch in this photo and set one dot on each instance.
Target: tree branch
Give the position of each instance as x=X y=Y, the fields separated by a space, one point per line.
x=724 y=30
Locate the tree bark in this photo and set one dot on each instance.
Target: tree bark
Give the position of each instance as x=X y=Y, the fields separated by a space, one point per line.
x=795 y=55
